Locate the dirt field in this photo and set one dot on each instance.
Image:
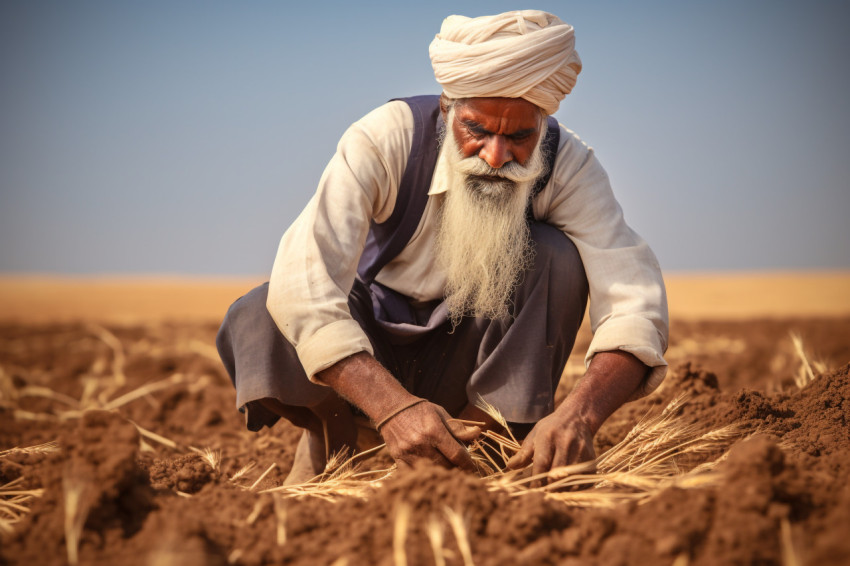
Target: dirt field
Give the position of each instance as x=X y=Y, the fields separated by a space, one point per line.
x=120 y=444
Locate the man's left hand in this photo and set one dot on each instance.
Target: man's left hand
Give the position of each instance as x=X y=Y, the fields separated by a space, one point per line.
x=566 y=436
x=560 y=439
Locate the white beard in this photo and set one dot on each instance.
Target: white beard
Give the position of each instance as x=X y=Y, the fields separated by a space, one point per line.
x=483 y=242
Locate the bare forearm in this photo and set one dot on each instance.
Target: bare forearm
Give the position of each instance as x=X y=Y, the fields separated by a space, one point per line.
x=367 y=384
x=612 y=378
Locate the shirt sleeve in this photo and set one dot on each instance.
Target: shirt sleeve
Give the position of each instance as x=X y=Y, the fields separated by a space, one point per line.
x=316 y=262
x=628 y=301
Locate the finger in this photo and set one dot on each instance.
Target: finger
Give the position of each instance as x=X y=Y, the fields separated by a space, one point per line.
x=572 y=455
x=560 y=458
x=580 y=452
x=542 y=461
x=461 y=432
x=436 y=457
x=522 y=458
x=457 y=454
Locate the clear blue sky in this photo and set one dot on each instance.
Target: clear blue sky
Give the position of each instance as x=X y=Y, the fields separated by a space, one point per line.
x=184 y=137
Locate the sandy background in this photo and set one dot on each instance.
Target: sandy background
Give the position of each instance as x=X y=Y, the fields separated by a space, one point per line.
x=738 y=296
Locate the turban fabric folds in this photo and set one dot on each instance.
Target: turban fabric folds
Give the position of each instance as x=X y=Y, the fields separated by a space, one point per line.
x=527 y=54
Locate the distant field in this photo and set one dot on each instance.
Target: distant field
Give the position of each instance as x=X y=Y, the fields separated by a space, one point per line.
x=127 y=300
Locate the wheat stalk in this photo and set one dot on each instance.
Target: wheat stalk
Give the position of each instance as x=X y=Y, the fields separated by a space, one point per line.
x=345 y=481
x=789 y=555
x=242 y=471
x=77 y=505
x=47 y=393
x=262 y=476
x=642 y=464
x=434 y=530
x=459 y=529
x=496 y=415
x=255 y=512
x=211 y=457
x=400 y=526
x=805 y=375
x=144 y=390
x=118 y=357
x=12 y=499
x=280 y=520
x=153 y=436
x=45 y=448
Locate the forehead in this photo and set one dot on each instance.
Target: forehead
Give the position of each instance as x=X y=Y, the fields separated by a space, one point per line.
x=499 y=115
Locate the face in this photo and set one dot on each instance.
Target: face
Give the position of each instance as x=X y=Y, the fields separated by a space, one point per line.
x=483 y=243
x=497 y=130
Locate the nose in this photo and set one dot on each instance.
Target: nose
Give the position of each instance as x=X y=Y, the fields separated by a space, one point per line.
x=495 y=151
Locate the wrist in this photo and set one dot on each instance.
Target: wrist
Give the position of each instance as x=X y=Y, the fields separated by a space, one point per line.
x=398 y=410
x=610 y=381
x=584 y=408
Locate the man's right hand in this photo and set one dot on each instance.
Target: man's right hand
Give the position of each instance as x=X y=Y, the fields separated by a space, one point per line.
x=427 y=432
x=423 y=431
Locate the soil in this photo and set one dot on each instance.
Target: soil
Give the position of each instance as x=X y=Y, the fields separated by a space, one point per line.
x=150 y=495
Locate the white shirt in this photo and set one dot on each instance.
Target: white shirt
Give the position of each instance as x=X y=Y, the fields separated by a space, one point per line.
x=317 y=259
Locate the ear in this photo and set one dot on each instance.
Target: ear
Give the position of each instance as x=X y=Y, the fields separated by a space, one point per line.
x=444 y=106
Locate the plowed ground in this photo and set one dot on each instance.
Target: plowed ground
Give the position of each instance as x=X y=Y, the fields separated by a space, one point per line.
x=783 y=492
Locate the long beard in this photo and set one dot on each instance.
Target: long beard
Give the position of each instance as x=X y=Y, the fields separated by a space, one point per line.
x=483 y=242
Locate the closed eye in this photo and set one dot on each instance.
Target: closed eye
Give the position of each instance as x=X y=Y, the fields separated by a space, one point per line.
x=477 y=130
x=522 y=135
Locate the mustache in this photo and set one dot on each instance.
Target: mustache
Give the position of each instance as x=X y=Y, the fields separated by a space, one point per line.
x=512 y=171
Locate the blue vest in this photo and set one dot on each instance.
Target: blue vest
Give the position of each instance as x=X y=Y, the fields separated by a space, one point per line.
x=387 y=239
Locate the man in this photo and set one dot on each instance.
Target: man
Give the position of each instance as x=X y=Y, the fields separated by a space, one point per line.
x=447 y=256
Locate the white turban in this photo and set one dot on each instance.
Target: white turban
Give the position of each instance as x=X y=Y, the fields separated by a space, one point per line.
x=526 y=54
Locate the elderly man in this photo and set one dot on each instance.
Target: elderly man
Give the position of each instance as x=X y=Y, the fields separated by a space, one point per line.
x=447 y=257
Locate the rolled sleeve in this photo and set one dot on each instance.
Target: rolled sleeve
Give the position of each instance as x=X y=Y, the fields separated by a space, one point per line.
x=316 y=262
x=329 y=344
x=628 y=301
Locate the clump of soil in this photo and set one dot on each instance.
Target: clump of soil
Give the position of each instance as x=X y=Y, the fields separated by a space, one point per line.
x=187 y=474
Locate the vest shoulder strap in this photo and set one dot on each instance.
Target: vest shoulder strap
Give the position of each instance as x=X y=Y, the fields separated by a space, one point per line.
x=387 y=239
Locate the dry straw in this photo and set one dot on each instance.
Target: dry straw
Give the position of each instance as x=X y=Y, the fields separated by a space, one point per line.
x=211 y=457
x=400 y=527
x=434 y=531
x=657 y=453
x=653 y=456
x=99 y=391
x=280 y=520
x=808 y=370
x=342 y=477
x=14 y=501
x=77 y=505
x=789 y=555
x=458 y=526
x=805 y=375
